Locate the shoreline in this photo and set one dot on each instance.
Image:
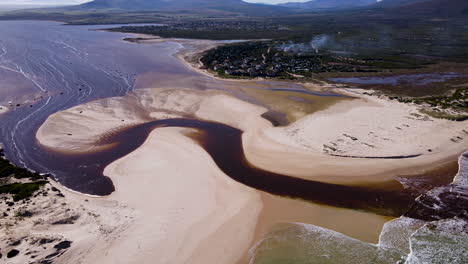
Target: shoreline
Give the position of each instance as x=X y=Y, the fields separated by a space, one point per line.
x=188 y=55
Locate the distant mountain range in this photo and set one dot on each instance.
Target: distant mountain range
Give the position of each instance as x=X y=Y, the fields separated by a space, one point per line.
x=425 y=8
x=235 y=6
x=330 y=4
x=405 y=7
x=396 y=3
x=430 y=8
x=343 y=4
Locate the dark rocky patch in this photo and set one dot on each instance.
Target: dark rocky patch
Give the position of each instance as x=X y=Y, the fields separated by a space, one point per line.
x=12 y=253
x=45 y=241
x=52 y=255
x=441 y=203
x=67 y=221
x=63 y=245
x=351 y=137
x=24 y=213
x=16 y=243
x=444 y=202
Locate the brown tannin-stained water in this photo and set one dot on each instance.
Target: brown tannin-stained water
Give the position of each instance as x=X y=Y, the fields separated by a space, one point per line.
x=84 y=172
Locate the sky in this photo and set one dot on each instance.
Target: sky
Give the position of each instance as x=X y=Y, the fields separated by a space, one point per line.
x=65 y=2
x=42 y=2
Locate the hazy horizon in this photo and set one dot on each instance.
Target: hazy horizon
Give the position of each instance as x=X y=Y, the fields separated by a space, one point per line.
x=74 y=2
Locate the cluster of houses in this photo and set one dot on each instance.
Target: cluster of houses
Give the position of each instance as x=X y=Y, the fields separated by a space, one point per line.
x=247 y=67
x=221 y=25
x=276 y=64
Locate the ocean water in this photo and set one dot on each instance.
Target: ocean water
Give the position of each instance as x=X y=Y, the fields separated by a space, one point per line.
x=297 y=243
x=402 y=240
x=444 y=241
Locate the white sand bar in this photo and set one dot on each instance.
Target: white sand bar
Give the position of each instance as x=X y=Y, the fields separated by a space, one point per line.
x=185 y=210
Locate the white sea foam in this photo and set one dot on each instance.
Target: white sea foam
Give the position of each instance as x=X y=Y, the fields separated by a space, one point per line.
x=395 y=234
x=442 y=241
x=461 y=178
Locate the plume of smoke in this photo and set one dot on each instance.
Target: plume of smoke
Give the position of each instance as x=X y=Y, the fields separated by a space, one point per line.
x=320 y=41
x=294 y=47
x=314 y=46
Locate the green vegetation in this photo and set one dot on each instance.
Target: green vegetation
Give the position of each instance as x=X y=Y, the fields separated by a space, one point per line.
x=388 y=42
x=457 y=102
x=19 y=190
x=7 y=170
x=222 y=29
x=292 y=60
x=22 y=190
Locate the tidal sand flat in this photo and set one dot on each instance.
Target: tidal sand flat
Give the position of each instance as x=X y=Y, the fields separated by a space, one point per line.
x=153 y=104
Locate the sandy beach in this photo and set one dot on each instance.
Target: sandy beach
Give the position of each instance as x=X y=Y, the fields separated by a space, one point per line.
x=201 y=207
x=184 y=211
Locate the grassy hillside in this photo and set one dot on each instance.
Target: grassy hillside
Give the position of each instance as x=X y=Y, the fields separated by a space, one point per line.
x=232 y=6
x=330 y=4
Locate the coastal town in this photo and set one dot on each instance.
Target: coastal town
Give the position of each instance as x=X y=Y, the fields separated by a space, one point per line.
x=274 y=59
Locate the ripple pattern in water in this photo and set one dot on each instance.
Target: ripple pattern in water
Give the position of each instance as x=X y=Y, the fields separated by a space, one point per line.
x=46 y=67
